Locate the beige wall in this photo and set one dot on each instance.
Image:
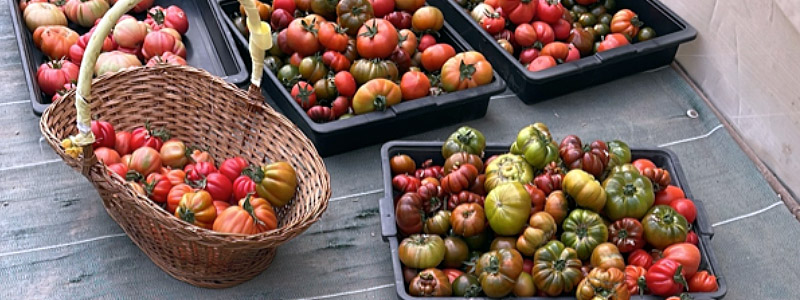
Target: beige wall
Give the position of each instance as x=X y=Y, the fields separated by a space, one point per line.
x=747 y=60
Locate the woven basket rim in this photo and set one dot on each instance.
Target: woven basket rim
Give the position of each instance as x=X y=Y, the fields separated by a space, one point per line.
x=283 y=233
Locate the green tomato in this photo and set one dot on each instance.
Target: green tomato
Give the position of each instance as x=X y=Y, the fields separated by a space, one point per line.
x=597 y=9
x=583 y=231
x=663 y=226
x=507 y=168
x=465 y=139
x=587 y=19
x=273 y=63
x=556 y=269
x=289 y=75
x=421 y=251
x=312 y=68
x=579 y=9
x=498 y=270
x=601 y=29
x=507 y=208
x=646 y=33
x=618 y=154
x=456 y=252
x=536 y=145
x=629 y=195
x=568 y=3
x=610 y=4
x=605 y=19
x=466 y=285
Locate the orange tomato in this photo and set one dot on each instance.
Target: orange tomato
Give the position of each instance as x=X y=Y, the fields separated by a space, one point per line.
x=197 y=208
x=427 y=18
x=435 y=56
x=465 y=70
x=251 y=216
x=414 y=84
x=54 y=40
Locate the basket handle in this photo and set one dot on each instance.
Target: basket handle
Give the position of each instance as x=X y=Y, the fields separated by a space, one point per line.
x=260 y=42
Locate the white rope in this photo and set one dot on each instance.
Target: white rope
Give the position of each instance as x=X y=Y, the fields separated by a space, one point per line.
x=63 y=245
x=348 y=293
x=745 y=216
x=355 y=195
x=23 y=166
x=699 y=137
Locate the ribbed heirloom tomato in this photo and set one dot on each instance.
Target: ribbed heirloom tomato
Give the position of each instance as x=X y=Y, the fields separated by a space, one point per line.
x=85 y=12
x=377 y=38
x=172 y=17
x=465 y=70
x=41 y=13
x=122 y=142
x=302 y=36
x=277 y=184
x=157 y=187
x=54 y=40
x=376 y=95
x=53 y=75
x=145 y=160
x=612 y=41
x=332 y=36
x=197 y=208
x=175 y=195
x=519 y=11
x=251 y=216
x=233 y=167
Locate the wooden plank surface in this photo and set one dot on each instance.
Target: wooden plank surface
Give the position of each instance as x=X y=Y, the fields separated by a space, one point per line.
x=56 y=240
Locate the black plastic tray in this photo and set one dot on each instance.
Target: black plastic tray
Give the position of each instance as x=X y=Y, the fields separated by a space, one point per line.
x=400 y=120
x=421 y=151
x=533 y=87
x=209 y=46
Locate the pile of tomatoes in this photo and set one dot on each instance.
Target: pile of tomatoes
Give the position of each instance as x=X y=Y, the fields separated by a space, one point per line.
x=544 y=219
x=156 y=40
x=232 y=197
x=351 y=57
x=545 y=33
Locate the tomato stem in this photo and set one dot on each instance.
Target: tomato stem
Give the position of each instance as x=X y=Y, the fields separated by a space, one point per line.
x=379 y=102
x=186 y=214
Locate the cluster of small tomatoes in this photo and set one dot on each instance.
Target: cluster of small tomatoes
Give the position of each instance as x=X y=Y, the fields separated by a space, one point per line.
x=351 y=57
x=156 y=40
x=544 y=33
x=536 y=221
x=232 y=197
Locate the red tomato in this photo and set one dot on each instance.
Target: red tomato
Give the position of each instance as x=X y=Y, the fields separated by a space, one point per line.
x=686 y=254
x=345 y=83
x=611 y=41
x=407 y=41
x=242 y=186
x=519 y=11
x=175 y=194
x=120 y=168
x=377 y=38
x=332 y=36
x=156 y=43
x=280 y=20
x=144 y=136
x=703 y=282
x=527 y=55
x=340 y=106
x=574 y=54
x=641 y=258
x=692 y=238
x=643 y=163
x=435 y=56
x=295 y=59
x=544 y=33
x=303 y=94
x=549 y=11
x=409 y=5
x=400 y=19
x=561 y=29
x=172 y=17
x=541 y=63
x=452 y=274
x=176 y=176
x=666 y=278
x=382 y=7
x=558 y=50
x=302 y=37
x=219 y=186
x=414 y=85
x=53 y=75
x=525 y=35
x=493 y=23
x=107 y=155
x=287 y=5
x=104 y=135
x=145 y=160
x=507 y=35
x=669 y=194
x=527 y=265
x=157 y=187
x=426 y=41
x=220 y=206
x=336 y=61
x=320 y=114
x=233 y=167
x=686 y=208
x=198 y=171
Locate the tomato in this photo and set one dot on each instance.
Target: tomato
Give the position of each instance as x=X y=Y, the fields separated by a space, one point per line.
x=198 y=171
x=542 y=228
x=407 y=41
x=353 y=13
x=303 y=94
x=574 y=54
x=465 y=70
x=607 y=256
x=703 y=282
x=400 y=19
x=130 y=33
x=401 y=59
x=626 y=22
x=85 y=12
x=201 y=156
x=197 y=208
x=406 y=183
x=174 y=154
x=459 y=179
x=557 y=206
x=686 y=208
x=302 y=37
x=313 y=67
x=381 y=8
x=527 y=55
x=640 y=258
x=629 y=194
x=493 y=23
x=176 y=177
x=467 y=219
x=519 y=11
x=219 y=186
x=38 y=14
x=559 y=51
x=494 y=270
x=627 y=234
x=332 y=36
x=145 y=136
x=104 y=135
x=336 y=61
x=409 y=6
x=603 y=284
x=364 y=70
x=503 y=242
x=172 y=17
x=430 y=282
x=156 y=43
x=581 y=39
x=242 y=186
x=428 y=18
x=157 y=187
x=439 y=223
x=114 y=61
x=409 y=214
x=435 y=56
x=586 y=191
x=507 y=208
x=643 y=163
x=583 y=231
x=658 y=176
x=541 y=63
x=168 y=58
x=345 y=83
x=561 y=29
x=549 y=11
x=612 y=41
x=466 y=285
x=414 y=85
x=287 y=5
x=281 y=19
x=525 y=35
x=666 y=278
x=107 y=156
x=320 y=114
x=340 y=106
x=264 y=10
x=422 y=251
x=120 y=169
x=54 y=40
x=426 y=41
x=663 y=226
x=377 y=38
x=376 y=94
x=686 y=254
x=668 y=195
x=635 y=279
x=324 y=8
x=53 y=75
x=692 y=238
x=646 y=34
x=452 y=274
x=220 y=206
x=507 y=168
x=456 y=252
x=233 y=167
x=277 y=184
x=250 y=216
x=556 y=269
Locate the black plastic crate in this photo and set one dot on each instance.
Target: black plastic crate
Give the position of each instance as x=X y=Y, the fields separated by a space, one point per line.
x=403 y=119
x=533 y=87
x=209 y=46
x=421 y=151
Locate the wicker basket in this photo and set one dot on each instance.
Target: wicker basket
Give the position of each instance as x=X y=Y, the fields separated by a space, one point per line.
x=201 y=109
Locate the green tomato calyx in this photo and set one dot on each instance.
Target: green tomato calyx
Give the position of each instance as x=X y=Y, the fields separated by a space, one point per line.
x=466 y=71
x=186 y=214
x=629 y=190
x=379 y=103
